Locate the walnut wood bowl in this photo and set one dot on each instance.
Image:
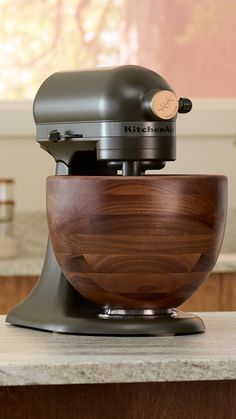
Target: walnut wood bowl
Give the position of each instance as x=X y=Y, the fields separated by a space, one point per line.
x=137 y=242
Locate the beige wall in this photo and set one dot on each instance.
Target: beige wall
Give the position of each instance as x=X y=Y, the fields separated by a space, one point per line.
x=29 y=166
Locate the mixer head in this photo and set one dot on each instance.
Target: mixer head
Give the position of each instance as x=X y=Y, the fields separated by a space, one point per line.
x=105 y=120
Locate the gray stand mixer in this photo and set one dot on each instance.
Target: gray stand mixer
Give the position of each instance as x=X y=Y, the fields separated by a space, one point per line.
x=108 y=123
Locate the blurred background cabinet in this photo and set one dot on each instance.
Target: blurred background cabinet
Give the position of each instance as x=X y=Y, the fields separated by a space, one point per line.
x=14 y=289
x=218 y=293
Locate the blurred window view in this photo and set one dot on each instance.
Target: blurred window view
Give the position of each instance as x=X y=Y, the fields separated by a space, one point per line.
x=190 y=42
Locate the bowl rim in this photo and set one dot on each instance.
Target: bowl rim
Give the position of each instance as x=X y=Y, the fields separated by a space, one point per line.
x=141 y=178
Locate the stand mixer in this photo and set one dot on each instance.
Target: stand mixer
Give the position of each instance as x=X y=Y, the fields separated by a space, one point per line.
x=125 y=247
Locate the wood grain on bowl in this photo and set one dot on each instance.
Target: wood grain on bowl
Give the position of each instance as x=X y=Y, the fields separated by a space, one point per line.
x=137 y=242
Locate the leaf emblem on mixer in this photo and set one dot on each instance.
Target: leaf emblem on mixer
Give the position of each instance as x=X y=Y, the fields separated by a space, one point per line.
x=166 y=102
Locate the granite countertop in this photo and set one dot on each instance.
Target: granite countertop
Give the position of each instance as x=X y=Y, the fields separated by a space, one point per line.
x=29 y=357
x=21 y=266
x=31 y=231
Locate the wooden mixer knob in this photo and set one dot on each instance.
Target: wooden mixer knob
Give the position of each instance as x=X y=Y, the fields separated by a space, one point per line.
x=164 y=104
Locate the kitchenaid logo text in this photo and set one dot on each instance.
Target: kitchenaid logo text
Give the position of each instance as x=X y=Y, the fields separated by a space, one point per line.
x=165 y=130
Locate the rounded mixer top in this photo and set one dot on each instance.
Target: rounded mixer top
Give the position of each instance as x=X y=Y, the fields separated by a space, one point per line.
x=122 y=114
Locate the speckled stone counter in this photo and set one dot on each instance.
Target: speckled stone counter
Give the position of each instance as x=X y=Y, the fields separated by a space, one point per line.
x=21 y=266
x=29 y=357
x=31 y=232
x=47 y=375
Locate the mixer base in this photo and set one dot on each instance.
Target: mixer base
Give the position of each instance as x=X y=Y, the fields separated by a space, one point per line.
x=165 y=325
